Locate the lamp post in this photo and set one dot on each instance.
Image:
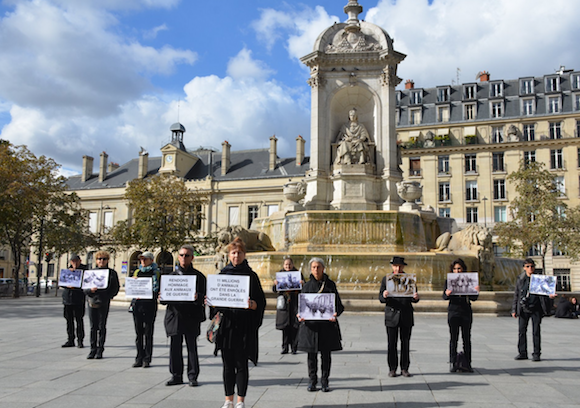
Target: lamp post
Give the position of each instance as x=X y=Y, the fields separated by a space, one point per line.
x=484 y=199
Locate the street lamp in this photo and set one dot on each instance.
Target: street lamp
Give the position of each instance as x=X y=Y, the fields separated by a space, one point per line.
x=484 y=211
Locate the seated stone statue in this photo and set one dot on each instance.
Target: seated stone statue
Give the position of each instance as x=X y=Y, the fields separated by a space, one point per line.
x=353 y=147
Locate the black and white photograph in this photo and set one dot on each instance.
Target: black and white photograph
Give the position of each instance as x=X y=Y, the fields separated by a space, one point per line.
x=542 y=285
x=288 y=281
x=96 y=278
x=463 y=283
x=70 y=279
x=401 y=284
x=316 y=306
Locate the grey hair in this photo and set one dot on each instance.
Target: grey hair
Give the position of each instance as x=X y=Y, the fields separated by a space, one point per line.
x=188 y=247
x=319 y=260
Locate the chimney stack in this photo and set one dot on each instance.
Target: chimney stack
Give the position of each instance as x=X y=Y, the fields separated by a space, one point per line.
x=225 y=157
x=300 y=142
x=143 y=164
x=112 y=167
x=87 y=168
x=483 y=76
x=103 y=167
x=409 y=84
x=273 y=155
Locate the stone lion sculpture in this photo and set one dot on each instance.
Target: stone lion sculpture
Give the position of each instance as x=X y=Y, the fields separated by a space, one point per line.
x=255 y=240
x=474 y=239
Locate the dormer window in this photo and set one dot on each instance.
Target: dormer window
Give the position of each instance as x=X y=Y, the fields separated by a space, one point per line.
x=575 y=81
x=416 y=97
x=553 y=84
x=443 y=94
x=496 y=89
x=469 y=91
x=526 y=86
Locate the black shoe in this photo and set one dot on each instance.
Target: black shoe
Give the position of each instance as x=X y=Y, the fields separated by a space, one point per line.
x=81 y=345
x=138 y=364
x=453 y=369
x=99 y=354
x=536 y=358
x=193 y=383
x=469 y=369
x=294 y=351
x=406 y=373
x=285 y=351
x=392 y=373
x=92 y=354
x=174 y=381
x=325 y=388
x=521 y=357
x=146 y=364
x=68 y=344
x=312 y=387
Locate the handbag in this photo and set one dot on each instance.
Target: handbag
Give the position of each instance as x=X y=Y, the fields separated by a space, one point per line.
x=392 y=316
x=281 y=302
x=214 y=327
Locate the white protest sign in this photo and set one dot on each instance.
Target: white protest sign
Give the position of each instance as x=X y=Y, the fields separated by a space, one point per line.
x=178 y=288
x=228 y=291
x=140 y=288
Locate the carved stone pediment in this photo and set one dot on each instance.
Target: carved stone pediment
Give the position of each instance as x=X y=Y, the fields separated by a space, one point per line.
x=353 y=42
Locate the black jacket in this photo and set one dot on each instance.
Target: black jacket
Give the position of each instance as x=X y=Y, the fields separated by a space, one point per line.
x=74 y=296
x=185 y=317
x=239 y=327
x=104 y=296
x=320 y=335
x=459 y=305
x=543 y=303
x=287 y=317
x=404 y=304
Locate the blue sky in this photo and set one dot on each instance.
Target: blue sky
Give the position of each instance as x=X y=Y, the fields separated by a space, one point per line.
x=84 y=76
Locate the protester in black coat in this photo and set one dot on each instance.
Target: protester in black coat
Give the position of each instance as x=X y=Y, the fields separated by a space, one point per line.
x=73 y=300
x=564 y=309
x=238 y=333
x=286 y=319
x=399 y=321
x=459 y=315
x=182 y=320
x=318 y=335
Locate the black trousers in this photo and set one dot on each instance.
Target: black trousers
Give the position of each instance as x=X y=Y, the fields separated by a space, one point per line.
x=289 y=337
x=393 y=333
x=455 y=323
x=98 y=317
x=144 y=319
x=236 y=372
x=176 y=356
x=313 y=367
x=523 y=321
x=75 y=314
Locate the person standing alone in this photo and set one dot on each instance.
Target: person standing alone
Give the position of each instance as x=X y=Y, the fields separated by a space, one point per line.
x=73 y=300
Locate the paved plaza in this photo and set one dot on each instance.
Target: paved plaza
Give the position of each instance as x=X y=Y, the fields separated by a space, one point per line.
x=36 y=372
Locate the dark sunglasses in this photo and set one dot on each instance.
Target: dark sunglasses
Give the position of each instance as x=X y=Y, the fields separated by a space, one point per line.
x=185 y=255
x=102 y=259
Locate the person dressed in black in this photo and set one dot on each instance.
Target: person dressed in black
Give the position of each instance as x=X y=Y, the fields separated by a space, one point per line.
x=459 y=315
x=182 y=320
x=238 y=333
x=286 y=319
x=526 y=306
x=399 y=321
x=316 y=336
x=73 y=300
x=565 y=309
x=99 y=301
x=145 y=311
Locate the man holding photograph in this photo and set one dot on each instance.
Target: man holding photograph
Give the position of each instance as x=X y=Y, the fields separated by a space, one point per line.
x=526 y=306
x=73 y=300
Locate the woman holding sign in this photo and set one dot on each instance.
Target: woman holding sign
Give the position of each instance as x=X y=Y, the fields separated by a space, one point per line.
x=459 y=315
x=286 y=311
x=238 y=334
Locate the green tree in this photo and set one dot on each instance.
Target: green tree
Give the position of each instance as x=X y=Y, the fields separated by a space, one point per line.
x=165 y=214
x=536 y=213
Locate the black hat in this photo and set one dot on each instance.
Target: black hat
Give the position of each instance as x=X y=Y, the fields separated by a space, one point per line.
x=398 y=260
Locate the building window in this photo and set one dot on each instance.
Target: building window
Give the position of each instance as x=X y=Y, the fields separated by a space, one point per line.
x=555 y=130
x=554 y=104
x=107 y=221
x=444 y=192
x=415 y=166
x=443 y=95
x=576 y=101
x=414 y=116
x=497 y=134
x=443 y=164
x=443 y=113
x=234 y=216
x=560 y=186
x=496 y=109
x=529 y=156
x=526 y=86
x=578 y=128
x=252 y=214
x=398 y=97
x=471 y=163
x=397 y=116
x=553 y=84
x=499 y=189
x=562 y=280
x=471 y=215
x=556 y=159
x=416 y=97
x=445 y=212
x=469 y=91
x=498 y=162
x=529 y=133
x=471 y=190
x=500 y=213
x=575 y=80
x=93 y=227
x=496 y=89
x=469 y=111
x=272 y=208
x=528 y=107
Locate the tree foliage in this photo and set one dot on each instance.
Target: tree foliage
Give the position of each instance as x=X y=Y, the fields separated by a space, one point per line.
x=536 y=213
x=165 y=214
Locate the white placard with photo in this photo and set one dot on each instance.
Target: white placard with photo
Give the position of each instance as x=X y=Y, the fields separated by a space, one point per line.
x=401 y=284
x=288 y=280
x=228 y=291
x=316 y=306
x=542 y=285
x=463 y=283
x=139 y=288
x=96 y=278
x=178 y=288
x=71 y=279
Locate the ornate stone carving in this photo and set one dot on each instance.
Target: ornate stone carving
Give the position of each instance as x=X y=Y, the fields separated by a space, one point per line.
x=513 y=134
x=353 y=42
x=255 y=240
x=389 y=77
x=429 y=142
x=316 y=81
x=294 y=192
x=354 y=138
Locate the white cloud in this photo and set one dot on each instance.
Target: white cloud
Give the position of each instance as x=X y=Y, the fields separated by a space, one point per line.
x=243 y=66
x=151 y=34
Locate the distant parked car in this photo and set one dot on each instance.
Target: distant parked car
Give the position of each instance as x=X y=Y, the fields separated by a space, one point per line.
x=43 y=283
